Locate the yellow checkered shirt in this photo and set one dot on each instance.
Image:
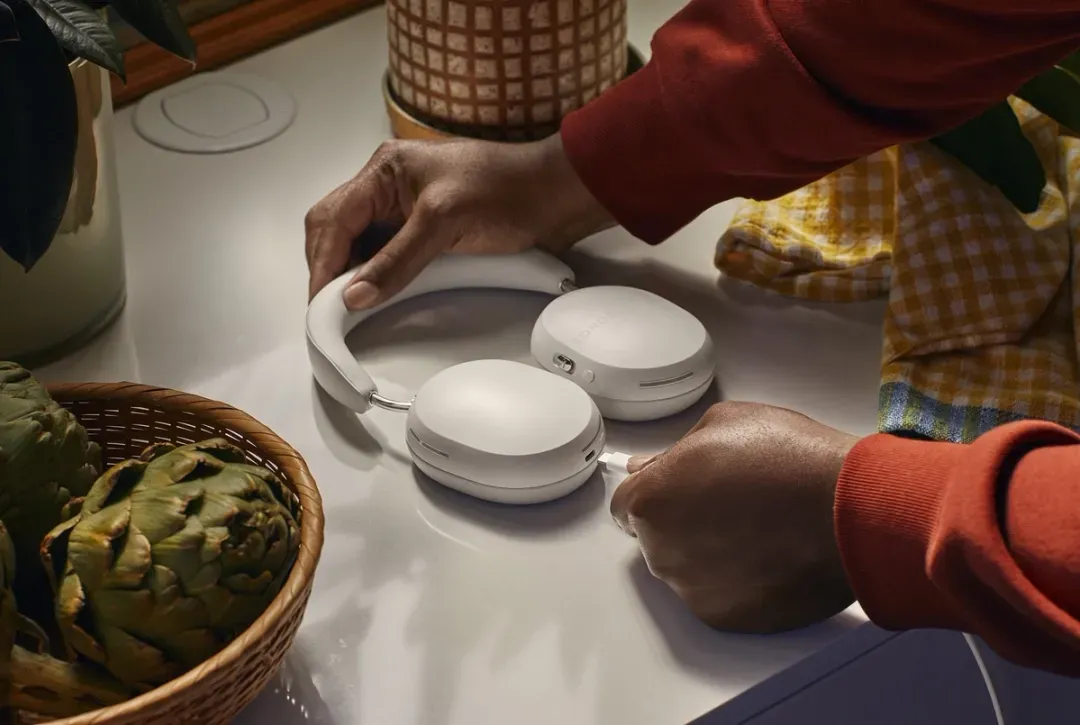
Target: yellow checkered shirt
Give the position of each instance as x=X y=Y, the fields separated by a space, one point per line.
x=980 y=327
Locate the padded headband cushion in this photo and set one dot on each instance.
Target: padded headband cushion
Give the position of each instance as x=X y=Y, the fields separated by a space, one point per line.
x=329 y=322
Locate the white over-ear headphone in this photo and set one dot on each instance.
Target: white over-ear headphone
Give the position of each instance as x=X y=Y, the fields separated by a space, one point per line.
x=509 y=432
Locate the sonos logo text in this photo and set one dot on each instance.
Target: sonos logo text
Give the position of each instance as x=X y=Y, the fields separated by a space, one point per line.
x=593 y=326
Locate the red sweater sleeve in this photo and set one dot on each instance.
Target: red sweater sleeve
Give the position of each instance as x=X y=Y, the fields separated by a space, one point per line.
x=756 y=98
x=983 y=538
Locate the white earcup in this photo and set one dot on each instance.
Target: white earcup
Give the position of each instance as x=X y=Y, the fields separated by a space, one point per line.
x=505 y=431
x=640 y=356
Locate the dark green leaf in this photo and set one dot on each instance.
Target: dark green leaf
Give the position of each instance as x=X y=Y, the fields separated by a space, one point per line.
x=1055 y=93
x=83 y=32
x=8 y=30
x=1071 y=64
x=159 y=22
x=38 y=132
x=994 y=147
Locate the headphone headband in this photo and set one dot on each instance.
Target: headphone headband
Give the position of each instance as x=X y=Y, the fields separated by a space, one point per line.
x=329 y=321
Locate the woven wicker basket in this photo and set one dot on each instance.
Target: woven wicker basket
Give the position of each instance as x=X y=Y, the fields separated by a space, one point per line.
x=513 y=66
x=124 y=418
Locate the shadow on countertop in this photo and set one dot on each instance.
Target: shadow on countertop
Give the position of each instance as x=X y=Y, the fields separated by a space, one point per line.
x=694 y=644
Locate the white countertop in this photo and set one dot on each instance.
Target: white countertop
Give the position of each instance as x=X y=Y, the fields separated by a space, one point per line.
x=430 y=608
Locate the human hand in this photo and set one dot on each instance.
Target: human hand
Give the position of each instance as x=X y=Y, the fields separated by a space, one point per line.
x=737 y=518
x=457 y=196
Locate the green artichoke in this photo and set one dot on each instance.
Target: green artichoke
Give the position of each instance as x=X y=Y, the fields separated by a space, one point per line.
x=46 y=462
x=8 y=617
x=44 y=685
x=171 y=556
x=34 y=682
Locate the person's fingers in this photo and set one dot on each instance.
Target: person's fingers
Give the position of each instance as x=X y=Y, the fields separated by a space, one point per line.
x=651 y=475
x=332 y=225
x=317 y=215
x=637 y=463
x=620 y=504
x=413 y=248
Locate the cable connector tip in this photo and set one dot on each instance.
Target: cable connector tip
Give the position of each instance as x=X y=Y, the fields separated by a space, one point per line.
x=615 y=462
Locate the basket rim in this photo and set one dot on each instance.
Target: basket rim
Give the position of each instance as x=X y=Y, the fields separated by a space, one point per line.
x=301 y=577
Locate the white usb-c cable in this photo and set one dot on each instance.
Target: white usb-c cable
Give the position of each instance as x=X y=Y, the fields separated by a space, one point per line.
x=615 y=462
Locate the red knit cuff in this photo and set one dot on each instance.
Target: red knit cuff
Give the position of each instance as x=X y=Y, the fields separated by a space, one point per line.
x=886 y=508
x=624 y=150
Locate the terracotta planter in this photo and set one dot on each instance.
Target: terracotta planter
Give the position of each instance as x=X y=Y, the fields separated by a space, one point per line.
x=506 y=69
x=78 y=287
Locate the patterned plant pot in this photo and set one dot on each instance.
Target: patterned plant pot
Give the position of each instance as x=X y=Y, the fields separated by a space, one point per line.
x=507 y=69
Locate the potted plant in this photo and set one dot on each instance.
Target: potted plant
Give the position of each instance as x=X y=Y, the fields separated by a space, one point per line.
x=507 y=70
x=61 y=249
x=994 y=147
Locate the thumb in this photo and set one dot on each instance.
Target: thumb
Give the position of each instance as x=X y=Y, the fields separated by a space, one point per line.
x=623 y=496
x=637 y=463
x=621 y=501
x=398 y=263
